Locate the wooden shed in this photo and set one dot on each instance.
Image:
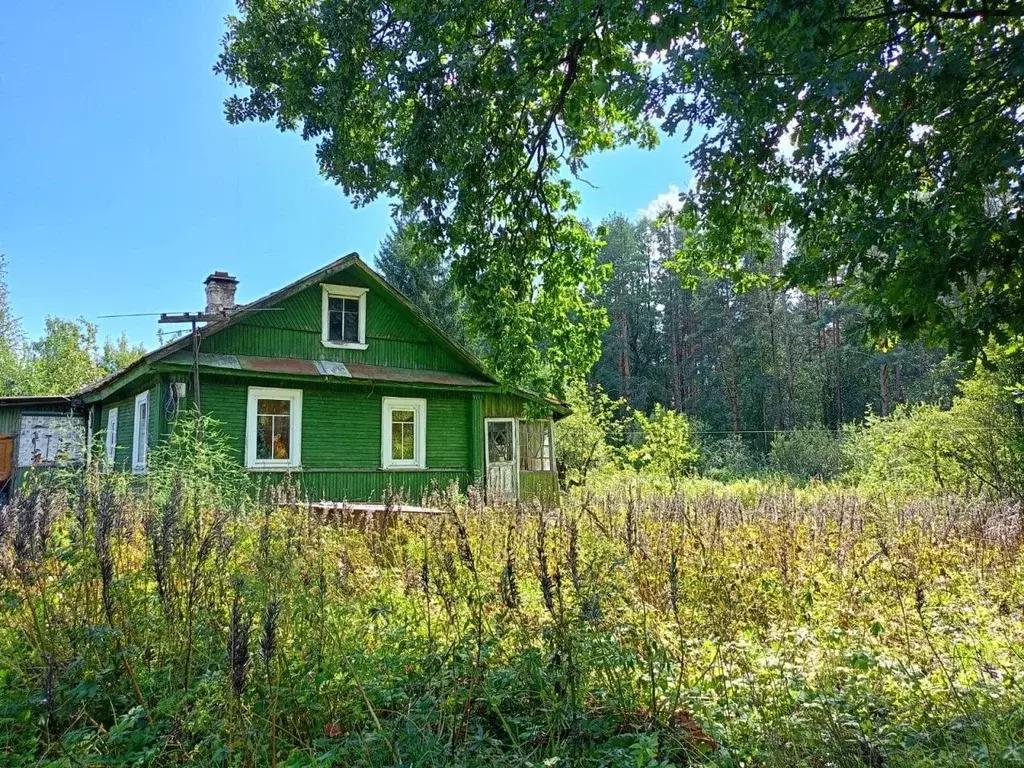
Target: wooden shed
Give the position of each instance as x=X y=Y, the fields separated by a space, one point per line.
x=37 y=433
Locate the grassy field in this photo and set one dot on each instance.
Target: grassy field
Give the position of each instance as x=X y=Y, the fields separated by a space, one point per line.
x=729 y=626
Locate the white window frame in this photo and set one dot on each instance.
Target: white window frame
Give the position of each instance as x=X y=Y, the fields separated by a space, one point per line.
x=90 y=415
x=294 y=459
x=140 y=439
x=110 y=446
x=419 y=407
x=342 y=292
x=549 y=426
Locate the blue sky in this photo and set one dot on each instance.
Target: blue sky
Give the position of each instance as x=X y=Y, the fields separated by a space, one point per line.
x=122 y=186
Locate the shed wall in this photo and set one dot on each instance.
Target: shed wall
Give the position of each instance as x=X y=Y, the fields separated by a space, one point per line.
x=10 y=425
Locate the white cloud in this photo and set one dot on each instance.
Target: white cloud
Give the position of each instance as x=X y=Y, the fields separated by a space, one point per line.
x=657 y=206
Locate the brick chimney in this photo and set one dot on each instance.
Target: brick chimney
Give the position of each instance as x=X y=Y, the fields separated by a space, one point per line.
x=220 y=293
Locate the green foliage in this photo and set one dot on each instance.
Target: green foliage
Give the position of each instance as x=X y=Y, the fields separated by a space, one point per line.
x=424 y=276
x=976 y=446
x=118 y=356
x=198 y=449
x=752 y=362
x=10 y=339
x=807 y=454
x=728 y=458
x=147 y=624
x=911 y=106
x=475 y=117
x=667 y=447
x=587 y=439
x=64 y=359
x=458 y=112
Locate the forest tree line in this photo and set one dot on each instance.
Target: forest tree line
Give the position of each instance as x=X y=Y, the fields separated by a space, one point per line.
x=746 y=356
x=738 y=376
x=737 y=357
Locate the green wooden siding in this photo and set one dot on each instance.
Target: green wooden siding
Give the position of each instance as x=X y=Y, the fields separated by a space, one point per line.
x=341 y=438
x=126 y=423
x=10 y=420
x=341 y=424
x=371 y=485
x=498 y=405
x=476 y=439
x=394 y=336
x=542 y=486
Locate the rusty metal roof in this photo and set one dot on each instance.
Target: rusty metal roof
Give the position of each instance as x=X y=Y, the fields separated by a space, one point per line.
x=415 y=376
x=287 y=366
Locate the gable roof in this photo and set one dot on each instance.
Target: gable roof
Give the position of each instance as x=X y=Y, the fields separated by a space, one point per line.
x=113 y=382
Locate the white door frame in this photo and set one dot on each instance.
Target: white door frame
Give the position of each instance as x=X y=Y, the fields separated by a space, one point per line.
x=515 y=454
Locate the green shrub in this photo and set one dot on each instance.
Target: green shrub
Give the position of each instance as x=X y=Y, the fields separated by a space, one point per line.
x=807 y=454
x=667 y=447
x=976 y=446
x=587 y=438
x=729 y=458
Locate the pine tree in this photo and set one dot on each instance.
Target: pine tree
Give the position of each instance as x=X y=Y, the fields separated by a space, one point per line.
x=423 y=276
x=11 y=341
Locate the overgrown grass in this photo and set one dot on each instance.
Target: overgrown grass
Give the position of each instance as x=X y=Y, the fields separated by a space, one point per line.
x=176 y=619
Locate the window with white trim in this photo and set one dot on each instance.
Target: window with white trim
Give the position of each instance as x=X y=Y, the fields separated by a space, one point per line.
x=140 y=438
x=110 y=447
x=343 y=316
x=535 y=452
x=273 y=428
x=403 y=433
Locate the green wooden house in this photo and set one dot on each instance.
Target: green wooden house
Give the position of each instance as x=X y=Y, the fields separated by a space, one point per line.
x=337 y=381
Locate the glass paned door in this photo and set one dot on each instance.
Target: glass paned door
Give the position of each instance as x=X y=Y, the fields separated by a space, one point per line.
x=502 y=475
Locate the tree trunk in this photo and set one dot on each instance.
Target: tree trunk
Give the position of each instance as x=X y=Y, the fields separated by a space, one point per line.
x=624 y=372
x=884 y=387
x=674 y=354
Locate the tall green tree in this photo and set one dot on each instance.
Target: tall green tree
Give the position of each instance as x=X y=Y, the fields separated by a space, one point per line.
x=747 y=365
x=10 y=339
x=119 y=355
x=886 y=133
x=424 y=276
x=631 y=354
x=64 y=359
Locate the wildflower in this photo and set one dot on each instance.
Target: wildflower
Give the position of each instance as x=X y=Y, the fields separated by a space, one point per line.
x=574 y=556
x=509 y=587
x=101 y=543
x=673 y=582
x=268 y=642
x=238 y=648
x=544 y=575
x=425 y=577
x=462 y=536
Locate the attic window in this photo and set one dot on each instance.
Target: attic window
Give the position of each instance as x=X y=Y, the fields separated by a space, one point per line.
x=343 y=321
